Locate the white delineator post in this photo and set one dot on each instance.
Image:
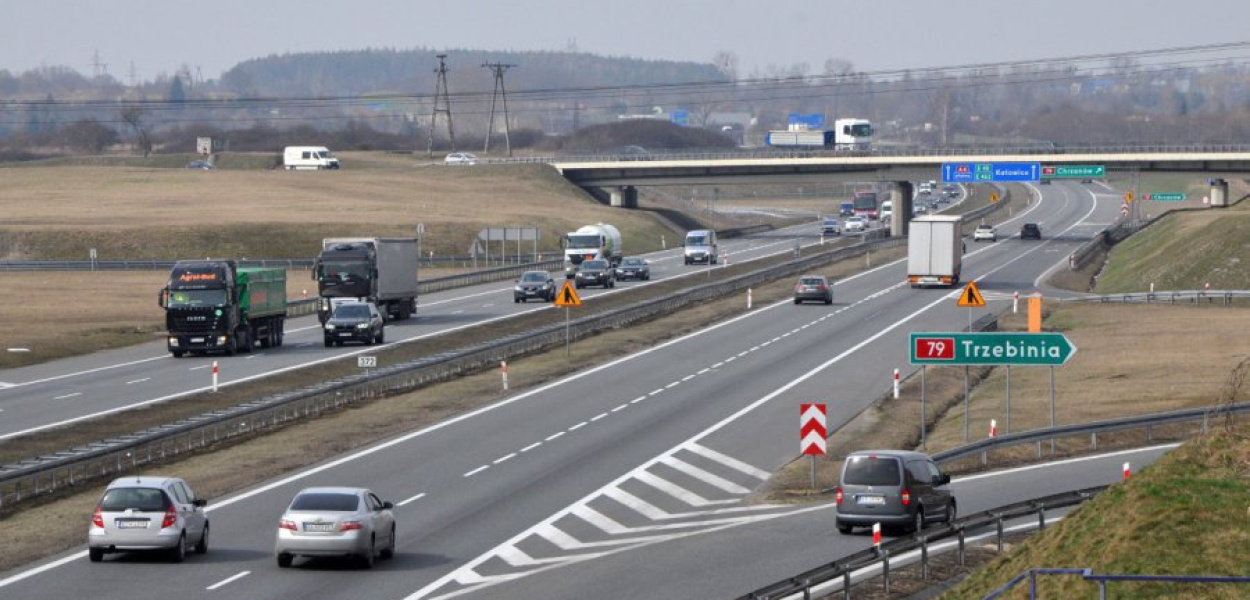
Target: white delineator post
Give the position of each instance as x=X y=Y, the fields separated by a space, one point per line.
x=726 y=263
x=503 y=370
x=1015 y=302
x=876 y=536
x=214 y=377
x=1127 y=471
x=993 y=428
x=748 y=298
x=896 y=384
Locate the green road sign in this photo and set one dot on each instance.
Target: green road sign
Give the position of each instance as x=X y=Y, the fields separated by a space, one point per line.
x=1044 y=349
x=1169 y=197
x=1074 y=172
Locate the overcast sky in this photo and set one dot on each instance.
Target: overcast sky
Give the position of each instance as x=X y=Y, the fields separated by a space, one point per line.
x=158 y=36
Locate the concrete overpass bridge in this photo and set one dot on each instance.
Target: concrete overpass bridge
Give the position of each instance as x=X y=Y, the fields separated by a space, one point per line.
x=619 y=180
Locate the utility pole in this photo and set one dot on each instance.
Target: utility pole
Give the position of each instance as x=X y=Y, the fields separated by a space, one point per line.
x=500 y=91
x=443 y=97
x=98 y=68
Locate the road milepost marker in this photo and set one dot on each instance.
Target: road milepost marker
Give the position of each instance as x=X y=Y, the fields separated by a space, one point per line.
x=567 y=298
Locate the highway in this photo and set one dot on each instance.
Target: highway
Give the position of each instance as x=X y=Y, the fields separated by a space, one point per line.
x=550 y=492
x=61 y=392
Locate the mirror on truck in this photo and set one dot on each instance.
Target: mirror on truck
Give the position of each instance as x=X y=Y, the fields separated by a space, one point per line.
x=162 y=298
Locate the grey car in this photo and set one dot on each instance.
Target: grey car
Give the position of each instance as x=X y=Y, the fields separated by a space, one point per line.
x=595 y=272
x=148 y=513
x=534 y=284
x=900 y=490
x=355 y=322
x=634 y=268
x=336 y=522
x=813 y=287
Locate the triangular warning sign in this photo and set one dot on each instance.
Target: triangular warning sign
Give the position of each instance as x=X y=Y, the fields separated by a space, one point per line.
x=971 y=297
x=568 y=296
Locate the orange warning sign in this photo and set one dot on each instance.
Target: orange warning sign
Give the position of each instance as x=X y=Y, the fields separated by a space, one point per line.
x=568 y=296
x=971 y=297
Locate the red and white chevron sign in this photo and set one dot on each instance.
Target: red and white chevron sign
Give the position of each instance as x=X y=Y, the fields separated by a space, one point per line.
x=812 y=428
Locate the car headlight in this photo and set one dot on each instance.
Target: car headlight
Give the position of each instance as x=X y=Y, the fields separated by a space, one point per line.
x=329 y=327
x=221 y=340
x=173 y=342
x=519 y=288
x=362 y=326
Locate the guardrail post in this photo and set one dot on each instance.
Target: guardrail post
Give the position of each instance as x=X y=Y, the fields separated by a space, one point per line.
x=1102 y=589
x=1041 y=518
x=1149 y=434
x=961 y=545
x=1093 y=441
x=885 y=570
x=998 y=527
x=846 y=583
x=1032 y=585
x=924 y=557
x=807 y=589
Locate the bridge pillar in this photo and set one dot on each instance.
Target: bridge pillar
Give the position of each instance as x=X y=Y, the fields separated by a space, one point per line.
x=901 y=198
x=625 y=196
x=1219 y=192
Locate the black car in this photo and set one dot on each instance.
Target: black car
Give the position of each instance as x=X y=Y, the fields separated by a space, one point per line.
x=634 y=268
x=355 y=322
x=1030 y=231
x=594 y=272
x=534 y=284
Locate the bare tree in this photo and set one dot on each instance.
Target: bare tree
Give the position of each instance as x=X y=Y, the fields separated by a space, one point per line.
x=133 y=116
x=727 y=63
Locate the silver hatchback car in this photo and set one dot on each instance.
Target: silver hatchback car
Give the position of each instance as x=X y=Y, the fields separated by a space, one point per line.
x=336 y=522
x=148 y=513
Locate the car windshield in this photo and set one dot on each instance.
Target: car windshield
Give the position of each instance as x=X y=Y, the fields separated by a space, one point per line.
x=140 y=499
x=871 y=470
x=984 y=227
x=352 y=311
x=534 y=276
x=592 y=265
x=326 y=501
x=193 y=298
x=633 y=262
x=696 y=240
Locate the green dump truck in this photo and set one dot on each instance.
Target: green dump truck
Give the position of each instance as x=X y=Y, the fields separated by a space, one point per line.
x=213 y=306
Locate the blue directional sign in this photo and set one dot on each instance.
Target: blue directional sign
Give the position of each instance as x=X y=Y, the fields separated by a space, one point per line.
x=990 y=172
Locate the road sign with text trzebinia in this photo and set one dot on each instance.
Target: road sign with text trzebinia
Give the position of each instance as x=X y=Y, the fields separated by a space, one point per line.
x=568 y=296
x=971 y=297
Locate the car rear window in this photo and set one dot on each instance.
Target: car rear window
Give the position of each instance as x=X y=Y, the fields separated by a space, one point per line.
x=871 y=470
x=139 y=499
x=326 y=501
x=812 y=281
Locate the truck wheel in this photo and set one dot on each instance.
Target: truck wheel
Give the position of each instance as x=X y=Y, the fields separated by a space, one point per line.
x=382 y=337
x=281 y=335
x=267 y=339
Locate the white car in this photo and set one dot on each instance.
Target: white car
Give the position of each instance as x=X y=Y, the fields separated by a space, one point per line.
x=460 y=158
x=985 y=233
x=853 y=224
x=336 y=522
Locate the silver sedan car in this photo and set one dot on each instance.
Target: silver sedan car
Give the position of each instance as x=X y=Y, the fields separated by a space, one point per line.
x=336 y=522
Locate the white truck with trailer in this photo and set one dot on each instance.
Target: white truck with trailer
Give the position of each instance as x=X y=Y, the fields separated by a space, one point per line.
x=591 y=242
x=935 y=250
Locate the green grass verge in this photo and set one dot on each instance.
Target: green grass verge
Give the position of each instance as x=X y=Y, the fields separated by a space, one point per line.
x=1183 y=251
x=1187 y=514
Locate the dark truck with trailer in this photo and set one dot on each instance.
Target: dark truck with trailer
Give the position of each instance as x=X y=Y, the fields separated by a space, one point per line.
x=216 y=306
x=379 y=270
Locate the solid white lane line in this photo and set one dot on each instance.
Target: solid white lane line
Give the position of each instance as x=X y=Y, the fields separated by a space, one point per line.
x=412 y=499
x=228 y=580
x=68 y=396
x=138 y=381
x=477 y=470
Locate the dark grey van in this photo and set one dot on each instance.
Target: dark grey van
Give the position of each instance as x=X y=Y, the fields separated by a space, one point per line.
x=898 y=489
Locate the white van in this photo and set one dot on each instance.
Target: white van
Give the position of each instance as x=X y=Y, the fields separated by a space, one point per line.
x=887 y=211
x=701 y=247
x=308 y=157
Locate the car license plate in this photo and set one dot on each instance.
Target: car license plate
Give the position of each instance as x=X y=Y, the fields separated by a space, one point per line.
x=197 y=340
x=345 y=334
x=319 y=527
x=131 y=524
x=871 y=500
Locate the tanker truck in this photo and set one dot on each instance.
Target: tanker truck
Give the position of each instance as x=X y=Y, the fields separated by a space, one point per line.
x=213 y=306
x=380 y=270
x=590 y=242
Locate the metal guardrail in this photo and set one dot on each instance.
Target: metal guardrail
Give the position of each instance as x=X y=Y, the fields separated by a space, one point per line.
x=449 y=261
x=844 y=567
x=44 y=474
x=1103 y=579
x=1092 y=429
x=1224 y=297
